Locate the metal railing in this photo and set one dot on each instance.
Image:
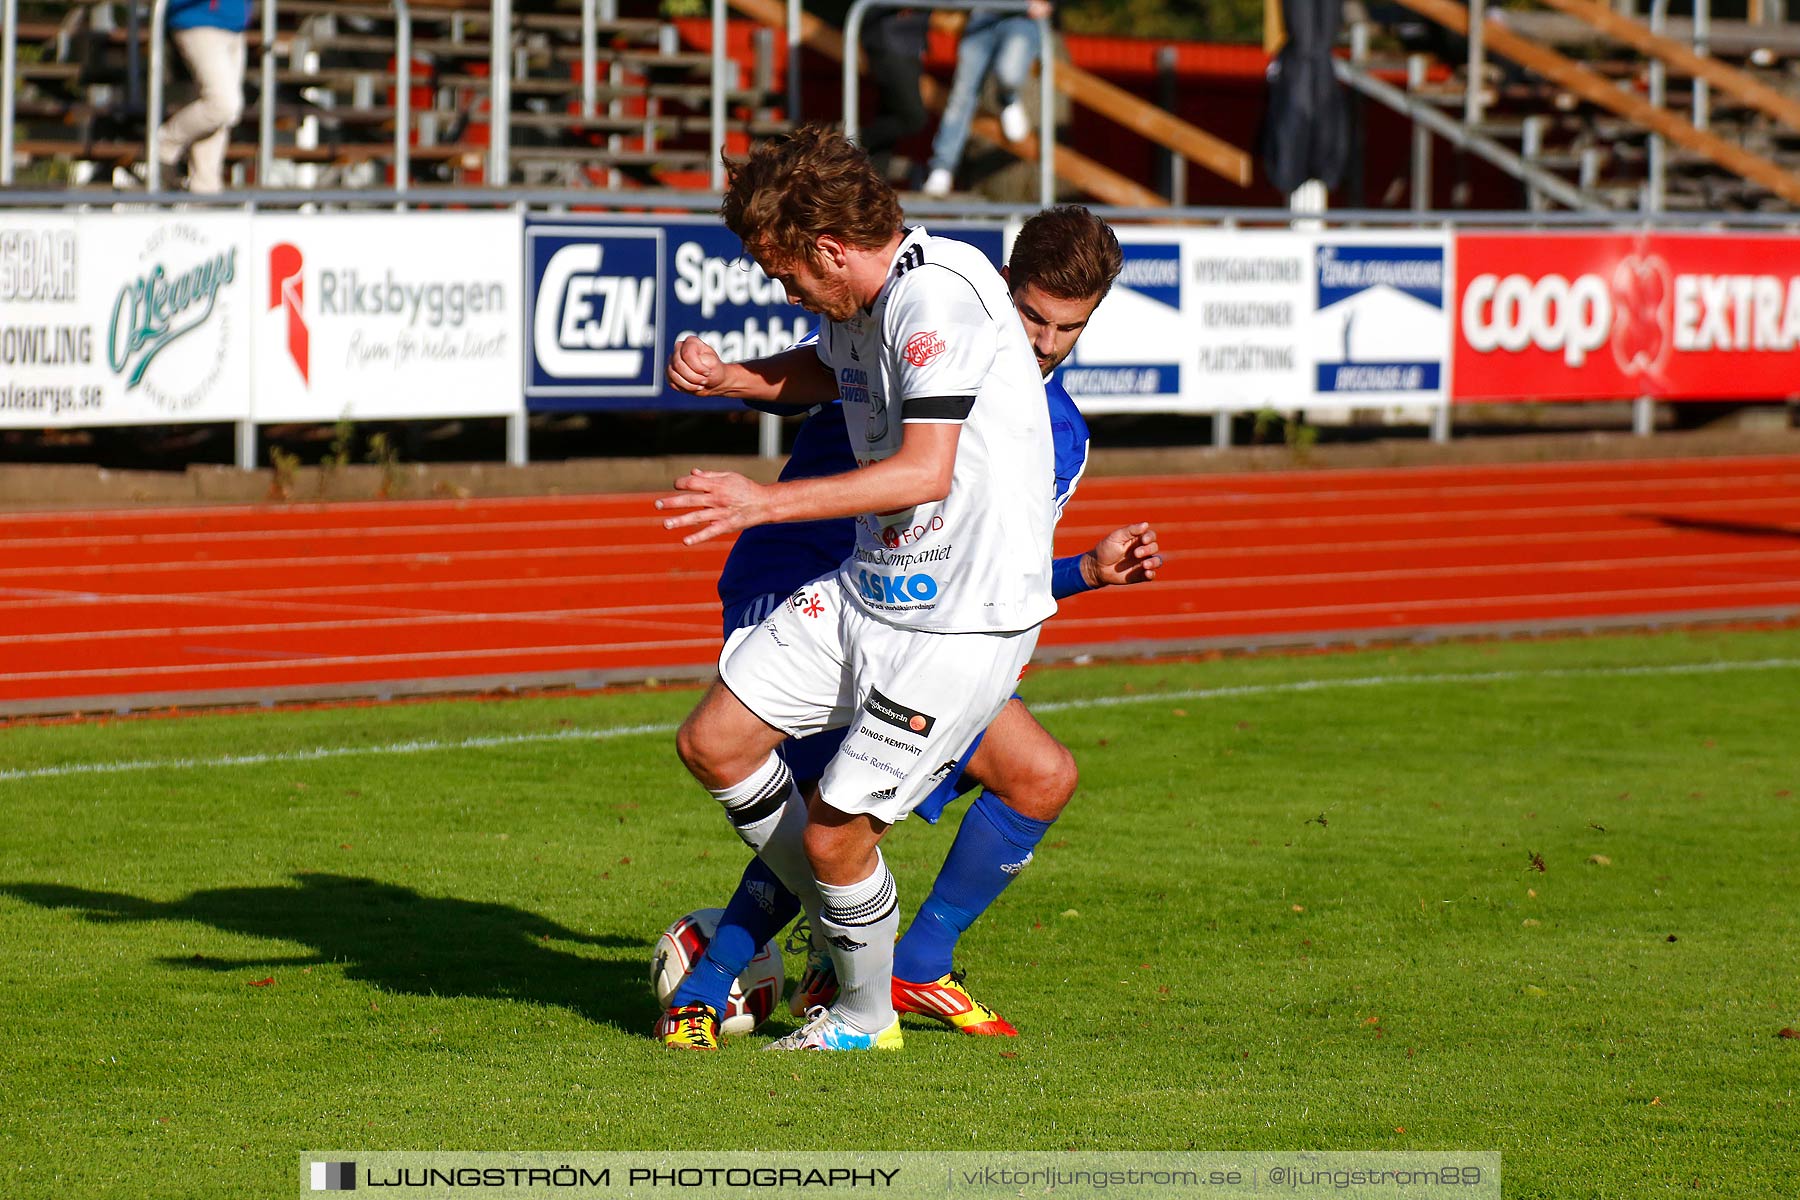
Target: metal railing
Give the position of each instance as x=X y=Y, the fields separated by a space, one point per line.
x=643 y=206
x=1046 y=75
x=500 y=95
x=9 y=71
x=1463 y=137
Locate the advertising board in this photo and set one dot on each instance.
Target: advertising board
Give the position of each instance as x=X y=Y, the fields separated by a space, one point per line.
x=1590 y=317
x=386 y=316
x=608 y=301
x=1234 y=321
x=124 y=319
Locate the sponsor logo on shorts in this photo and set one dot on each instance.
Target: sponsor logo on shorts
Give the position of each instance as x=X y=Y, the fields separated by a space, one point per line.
x=942 y=773
x=885 y=793
x=879 y=764
x=921 y=348
x=884 y=739
x=898 y=715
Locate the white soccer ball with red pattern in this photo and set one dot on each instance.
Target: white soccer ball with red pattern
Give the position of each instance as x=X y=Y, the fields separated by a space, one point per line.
x=756 y=991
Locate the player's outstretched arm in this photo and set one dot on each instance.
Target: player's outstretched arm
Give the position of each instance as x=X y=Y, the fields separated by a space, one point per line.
x=715 y=503
x=1127 y=555
x=795 y=376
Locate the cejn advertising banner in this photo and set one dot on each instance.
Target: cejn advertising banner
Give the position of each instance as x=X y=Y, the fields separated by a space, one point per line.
x=1592 y=317
x=608 y=302
x=124 y=319
x=1220 y=321
x=387 y=316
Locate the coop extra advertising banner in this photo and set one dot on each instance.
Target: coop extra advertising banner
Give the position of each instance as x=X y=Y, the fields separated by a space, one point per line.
x=385 y=316
x=1211 y=320
x=123 y=319
x=1590 y=316
x=608 y=302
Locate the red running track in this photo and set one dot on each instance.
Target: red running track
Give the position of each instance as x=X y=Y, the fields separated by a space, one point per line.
x=143 y=608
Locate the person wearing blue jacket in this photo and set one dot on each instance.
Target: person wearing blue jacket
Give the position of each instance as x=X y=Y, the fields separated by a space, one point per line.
x=209 y=34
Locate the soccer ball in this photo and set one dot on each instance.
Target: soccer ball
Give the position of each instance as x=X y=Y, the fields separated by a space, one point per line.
x=756 y=991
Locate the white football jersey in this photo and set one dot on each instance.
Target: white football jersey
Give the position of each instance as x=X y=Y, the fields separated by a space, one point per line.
x=942 y=343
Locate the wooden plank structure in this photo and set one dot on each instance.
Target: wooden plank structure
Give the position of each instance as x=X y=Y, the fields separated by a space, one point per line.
x=1739 y=85
x=1596 y=89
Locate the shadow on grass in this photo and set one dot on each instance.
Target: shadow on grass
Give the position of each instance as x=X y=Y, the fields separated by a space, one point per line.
x=396 y=939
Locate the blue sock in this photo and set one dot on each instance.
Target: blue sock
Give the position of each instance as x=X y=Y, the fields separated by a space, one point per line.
x=991 y=848
x=759 y=909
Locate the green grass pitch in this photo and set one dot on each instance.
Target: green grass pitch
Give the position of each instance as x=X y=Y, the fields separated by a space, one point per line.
x=1534 y=897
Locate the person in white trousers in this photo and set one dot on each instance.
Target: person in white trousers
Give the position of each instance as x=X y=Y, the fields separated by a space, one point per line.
x=209 y=34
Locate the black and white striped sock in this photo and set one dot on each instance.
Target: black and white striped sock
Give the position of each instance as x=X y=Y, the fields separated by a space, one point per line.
x=768 y=813
x=859 y=922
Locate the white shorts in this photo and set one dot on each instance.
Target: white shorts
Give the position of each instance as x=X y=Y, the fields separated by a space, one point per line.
x=913 y=700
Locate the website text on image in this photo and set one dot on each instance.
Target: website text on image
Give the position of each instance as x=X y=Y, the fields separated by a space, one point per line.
x=1598 y=317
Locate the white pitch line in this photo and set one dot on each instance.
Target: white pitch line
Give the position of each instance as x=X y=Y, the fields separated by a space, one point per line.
x=323 y=752
x=1369 y=681
x=618 y=731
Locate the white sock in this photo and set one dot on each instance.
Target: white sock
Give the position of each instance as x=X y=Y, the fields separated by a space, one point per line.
x=768 y=813
x=860 y=922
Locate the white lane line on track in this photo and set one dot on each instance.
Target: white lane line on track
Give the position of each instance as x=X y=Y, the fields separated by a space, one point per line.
x=279 y=597
x=372 y=617
x=1717 y=472
x=1077 y=537
x=590 y=652
x=581 y=617
x=389 y=563
x=444 y=558
x=1672 y=490
x=1315 y=516
x=1734 y=591
x=608 y=733
x=321 y=533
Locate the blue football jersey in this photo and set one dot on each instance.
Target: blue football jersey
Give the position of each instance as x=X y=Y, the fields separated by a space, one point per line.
x=776 y=559
x=1070 y=432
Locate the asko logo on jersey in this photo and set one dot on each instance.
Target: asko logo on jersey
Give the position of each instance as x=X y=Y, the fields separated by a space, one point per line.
x=1586 y=317
x=896 y=589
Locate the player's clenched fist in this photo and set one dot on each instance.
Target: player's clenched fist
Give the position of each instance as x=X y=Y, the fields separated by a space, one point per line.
x=695 y=367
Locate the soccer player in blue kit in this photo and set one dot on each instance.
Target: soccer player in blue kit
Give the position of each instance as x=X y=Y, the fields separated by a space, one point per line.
x=1061 y=265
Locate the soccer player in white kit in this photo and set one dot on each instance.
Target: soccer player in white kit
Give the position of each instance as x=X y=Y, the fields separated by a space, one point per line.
x=916 y=641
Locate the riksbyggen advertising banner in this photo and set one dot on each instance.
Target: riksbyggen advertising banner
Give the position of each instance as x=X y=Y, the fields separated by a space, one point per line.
x=110 y=319
x=1210 y=321
x=387 y=316
x=1591 y=317
x=608 y=302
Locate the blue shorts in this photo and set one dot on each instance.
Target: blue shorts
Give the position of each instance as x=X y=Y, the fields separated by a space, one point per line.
x=806 y=757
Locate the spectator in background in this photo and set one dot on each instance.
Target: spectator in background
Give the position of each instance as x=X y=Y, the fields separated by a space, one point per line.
x=210 y=36
x=1006 y=44
x=894 y=40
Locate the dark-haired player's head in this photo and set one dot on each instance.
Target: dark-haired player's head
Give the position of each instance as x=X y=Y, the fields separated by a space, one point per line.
x=1062 y=265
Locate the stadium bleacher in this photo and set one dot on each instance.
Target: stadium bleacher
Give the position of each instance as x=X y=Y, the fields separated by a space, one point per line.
x=79 y=117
